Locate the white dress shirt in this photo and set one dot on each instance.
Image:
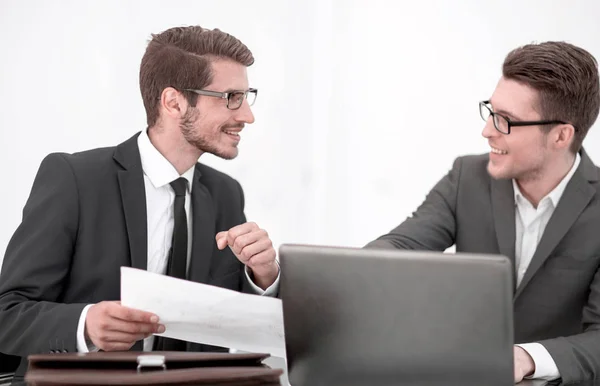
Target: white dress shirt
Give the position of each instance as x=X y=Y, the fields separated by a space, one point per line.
x=530 y=225
x=160 y=197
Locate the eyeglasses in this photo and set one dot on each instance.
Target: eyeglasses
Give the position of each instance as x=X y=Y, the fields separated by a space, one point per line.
x=234 y=98
x=503 y=124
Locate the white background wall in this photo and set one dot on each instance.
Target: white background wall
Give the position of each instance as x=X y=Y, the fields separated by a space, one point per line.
x=363 y=104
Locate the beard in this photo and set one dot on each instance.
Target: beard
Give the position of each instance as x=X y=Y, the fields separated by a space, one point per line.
x=205 y=142
x=528 y=174
x=530 y=168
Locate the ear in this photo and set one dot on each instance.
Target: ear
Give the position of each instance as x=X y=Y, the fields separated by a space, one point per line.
x=563 y=136
x=172 y=103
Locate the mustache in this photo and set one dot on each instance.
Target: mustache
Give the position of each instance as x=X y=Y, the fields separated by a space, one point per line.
x=233 y=126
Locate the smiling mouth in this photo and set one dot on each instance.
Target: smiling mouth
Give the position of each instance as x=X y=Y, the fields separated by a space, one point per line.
x=233 y=134
x=498 y=151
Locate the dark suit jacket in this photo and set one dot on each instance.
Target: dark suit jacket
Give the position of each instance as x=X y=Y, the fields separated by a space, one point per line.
x=558 y=301
x=85 y=218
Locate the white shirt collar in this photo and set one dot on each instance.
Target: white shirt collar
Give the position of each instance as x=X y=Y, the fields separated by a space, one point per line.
x=556 y=193
x=157 y=168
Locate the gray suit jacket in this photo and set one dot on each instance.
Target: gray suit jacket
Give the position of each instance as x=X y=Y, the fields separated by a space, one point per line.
x=558 y=301
x=84 y=219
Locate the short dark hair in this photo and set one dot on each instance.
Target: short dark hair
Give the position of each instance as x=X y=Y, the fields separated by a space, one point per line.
x=181 y=58
x=566 y=78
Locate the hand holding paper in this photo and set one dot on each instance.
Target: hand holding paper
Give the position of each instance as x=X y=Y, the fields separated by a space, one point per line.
x=113 y=327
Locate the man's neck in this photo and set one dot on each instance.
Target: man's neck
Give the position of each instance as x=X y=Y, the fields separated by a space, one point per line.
x=537 y=187
x=175 y=149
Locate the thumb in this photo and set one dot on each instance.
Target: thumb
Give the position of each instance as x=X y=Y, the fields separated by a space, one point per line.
x=221 y=240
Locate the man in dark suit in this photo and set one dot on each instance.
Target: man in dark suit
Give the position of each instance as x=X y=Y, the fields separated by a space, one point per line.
x=534 y=198
x=146 y=203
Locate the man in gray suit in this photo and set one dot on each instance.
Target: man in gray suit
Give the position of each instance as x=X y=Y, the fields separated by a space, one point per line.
x=146 y=203
x=534 y=198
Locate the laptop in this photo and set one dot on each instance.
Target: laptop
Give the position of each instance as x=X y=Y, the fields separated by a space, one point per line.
x=390 y=317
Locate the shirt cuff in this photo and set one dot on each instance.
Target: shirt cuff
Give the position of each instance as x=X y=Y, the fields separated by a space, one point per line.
x=84 y=345
x=272 y=290
x=545 y=367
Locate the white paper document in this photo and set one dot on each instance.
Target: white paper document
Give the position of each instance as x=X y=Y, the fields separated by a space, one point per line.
x=206 y=314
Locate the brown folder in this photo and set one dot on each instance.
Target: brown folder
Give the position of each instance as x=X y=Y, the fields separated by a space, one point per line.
x=150 y=368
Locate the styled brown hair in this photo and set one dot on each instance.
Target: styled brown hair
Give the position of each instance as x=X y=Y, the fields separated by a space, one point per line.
x=566 y=78
x=181 y=58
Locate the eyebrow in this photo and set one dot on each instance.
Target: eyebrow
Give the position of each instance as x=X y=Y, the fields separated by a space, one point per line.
x=230 y=90
x=504 y=112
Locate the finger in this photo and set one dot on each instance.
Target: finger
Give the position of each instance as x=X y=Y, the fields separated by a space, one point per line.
x=247 y=239
x=263 y=259
x=221 y=240
x=123 y=337
x=239 y=230
x=118 y=325
x=131 y=315
x=261 y=245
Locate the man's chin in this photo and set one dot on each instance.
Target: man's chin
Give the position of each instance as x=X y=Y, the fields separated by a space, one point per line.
x=497 y=173
x=228 y=154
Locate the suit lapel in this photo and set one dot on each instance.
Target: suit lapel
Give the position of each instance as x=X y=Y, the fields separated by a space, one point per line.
x=203 y=231
x=503 y=207
x=133 y=199
x=575 y=198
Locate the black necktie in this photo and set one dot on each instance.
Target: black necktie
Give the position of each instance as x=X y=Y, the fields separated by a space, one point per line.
x=178 y=253
x=177 y=263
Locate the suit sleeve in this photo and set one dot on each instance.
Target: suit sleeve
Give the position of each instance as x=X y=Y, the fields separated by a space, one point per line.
x=578 y=356
x=37 y=265
x=433 y=225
